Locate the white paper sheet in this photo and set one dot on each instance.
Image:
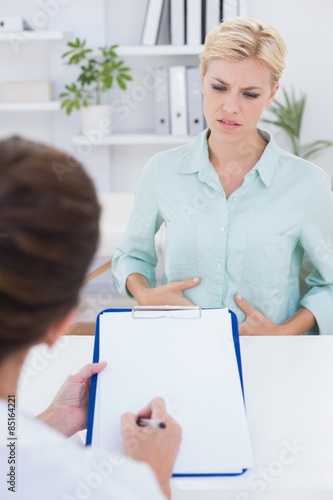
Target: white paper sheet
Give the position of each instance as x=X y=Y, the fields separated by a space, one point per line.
x=191 y=363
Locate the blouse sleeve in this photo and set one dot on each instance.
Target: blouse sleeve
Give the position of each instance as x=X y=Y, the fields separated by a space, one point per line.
x=317 y=241
x=136 y=252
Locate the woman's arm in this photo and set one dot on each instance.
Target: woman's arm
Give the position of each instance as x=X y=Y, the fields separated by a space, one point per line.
x=136 y=253
x=170 y=294
x=257 y=324
x=316 y=238
x=316 y=307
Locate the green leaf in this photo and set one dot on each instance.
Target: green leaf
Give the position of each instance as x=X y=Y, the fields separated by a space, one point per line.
x=95 y=74
x=311 y=149
x=64 y=104
x=107 y=81
x=288 y=115
x=126 y=77
x=121 y=84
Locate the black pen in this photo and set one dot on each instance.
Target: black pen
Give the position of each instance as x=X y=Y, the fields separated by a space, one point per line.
x=143 y=422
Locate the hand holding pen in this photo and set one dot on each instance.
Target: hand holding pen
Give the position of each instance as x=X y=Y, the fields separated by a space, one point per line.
x=153 y=436
x=143 y=422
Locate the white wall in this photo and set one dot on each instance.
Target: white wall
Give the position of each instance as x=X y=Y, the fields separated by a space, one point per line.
x=305 y=25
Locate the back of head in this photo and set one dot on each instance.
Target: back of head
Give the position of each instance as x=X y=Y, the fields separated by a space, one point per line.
x=241 y=38
x=48 y=235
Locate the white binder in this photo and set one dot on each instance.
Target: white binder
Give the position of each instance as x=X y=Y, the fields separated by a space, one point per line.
x=178 y=100
x=230 y=9
x=193 y=22
x=177 y=22
x=213 y=14
x=152 y=22
x=195 y=112
x=162 y=108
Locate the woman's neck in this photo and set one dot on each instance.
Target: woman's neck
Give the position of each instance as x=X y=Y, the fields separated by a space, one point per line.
x=232 y=161
x=10 y=369
x=246 y=151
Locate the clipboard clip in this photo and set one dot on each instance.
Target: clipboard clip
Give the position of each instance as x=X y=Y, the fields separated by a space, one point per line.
x=153 y=312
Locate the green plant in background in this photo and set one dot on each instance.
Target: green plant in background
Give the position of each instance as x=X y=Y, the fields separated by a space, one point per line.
x=289 y=117
x=98 y=73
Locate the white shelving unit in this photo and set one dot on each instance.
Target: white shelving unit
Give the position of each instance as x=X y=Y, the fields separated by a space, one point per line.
x=30 y=36
x=134 y=139
x=114 y=161
x=137 y=138
x=146 y=139
x=30 y=106
x=160 y=50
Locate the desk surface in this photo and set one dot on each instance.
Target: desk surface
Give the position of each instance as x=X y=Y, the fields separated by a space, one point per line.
x=288 y=384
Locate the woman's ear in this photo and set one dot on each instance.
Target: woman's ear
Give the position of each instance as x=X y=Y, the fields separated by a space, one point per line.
x=59 y=328
x=272 y=94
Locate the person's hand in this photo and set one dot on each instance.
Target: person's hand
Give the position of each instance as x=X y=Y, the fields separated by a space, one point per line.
x=170 y=294
x=68 y=411
x=158 y=447
x=256 y=323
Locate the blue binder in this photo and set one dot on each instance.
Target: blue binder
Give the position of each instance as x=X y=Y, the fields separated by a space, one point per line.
x=94 y=382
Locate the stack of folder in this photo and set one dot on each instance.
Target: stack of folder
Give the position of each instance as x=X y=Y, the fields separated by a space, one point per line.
x=178 y=101
x=189 y=20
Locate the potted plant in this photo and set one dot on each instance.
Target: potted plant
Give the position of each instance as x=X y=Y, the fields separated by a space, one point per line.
x=100 y=71
x=289 y=117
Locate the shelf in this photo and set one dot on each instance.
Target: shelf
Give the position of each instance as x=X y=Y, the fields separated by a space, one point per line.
x=140 y=139
x=160 y=50
x=10 y=36
x=30 y=106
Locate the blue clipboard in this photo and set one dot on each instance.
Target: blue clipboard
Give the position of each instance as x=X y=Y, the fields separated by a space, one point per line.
x=94 y=381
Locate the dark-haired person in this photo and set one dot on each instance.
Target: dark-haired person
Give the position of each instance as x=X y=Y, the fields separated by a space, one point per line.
x=239 y=212
x=49 y=233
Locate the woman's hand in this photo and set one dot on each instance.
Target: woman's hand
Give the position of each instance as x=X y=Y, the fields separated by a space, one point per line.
x=256 y=323
x=68 y=411
x=165 y=295
x=158 y=447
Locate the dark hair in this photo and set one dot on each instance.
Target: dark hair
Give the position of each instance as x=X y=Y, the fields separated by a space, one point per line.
x=48 y=235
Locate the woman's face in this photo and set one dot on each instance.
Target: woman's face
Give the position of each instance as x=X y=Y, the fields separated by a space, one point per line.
x=235 y=95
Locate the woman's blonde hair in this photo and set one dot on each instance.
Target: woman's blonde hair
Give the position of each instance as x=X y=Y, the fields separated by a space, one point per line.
x=241 y=38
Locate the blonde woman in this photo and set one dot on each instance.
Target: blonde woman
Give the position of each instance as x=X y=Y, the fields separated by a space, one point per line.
x=239 y=212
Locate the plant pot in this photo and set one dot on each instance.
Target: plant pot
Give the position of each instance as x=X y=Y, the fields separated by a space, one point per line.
x=96 y=120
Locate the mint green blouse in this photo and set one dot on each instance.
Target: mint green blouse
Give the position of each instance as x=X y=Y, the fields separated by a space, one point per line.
x=251 y=243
